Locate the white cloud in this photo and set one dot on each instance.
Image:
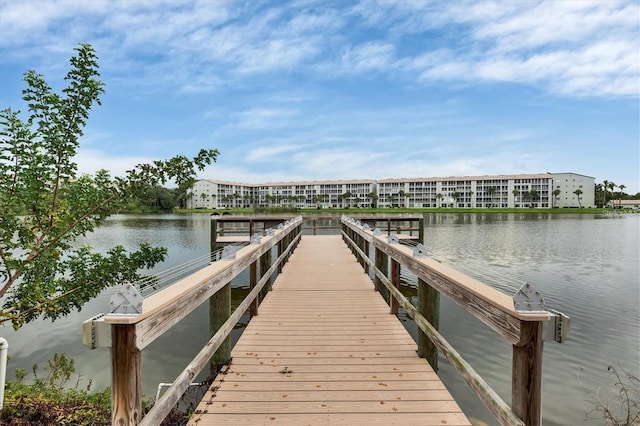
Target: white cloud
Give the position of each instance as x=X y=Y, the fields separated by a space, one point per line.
x=91 y=160
x=264 y=118
x=367 y=57
x=266 y=154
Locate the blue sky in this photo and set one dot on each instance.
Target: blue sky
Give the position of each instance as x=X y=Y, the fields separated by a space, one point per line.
x=320 y=90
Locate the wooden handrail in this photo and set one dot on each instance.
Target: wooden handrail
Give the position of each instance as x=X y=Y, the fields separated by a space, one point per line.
x=487 y=304
x=493 y=308
x=480 y=387
x=170 y=398
x=132 y=333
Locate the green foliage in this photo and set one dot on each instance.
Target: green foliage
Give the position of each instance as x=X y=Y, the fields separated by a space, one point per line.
x=151 y=199
x=45 y=205
x=47 y=402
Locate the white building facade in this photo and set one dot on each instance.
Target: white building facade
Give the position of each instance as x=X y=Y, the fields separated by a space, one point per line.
x=545 y=190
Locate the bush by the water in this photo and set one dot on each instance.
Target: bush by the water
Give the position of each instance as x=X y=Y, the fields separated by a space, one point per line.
x=47 y=401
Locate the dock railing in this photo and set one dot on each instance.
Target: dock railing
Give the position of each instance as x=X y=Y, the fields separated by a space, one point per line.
x=523 y=328
x=131 y=332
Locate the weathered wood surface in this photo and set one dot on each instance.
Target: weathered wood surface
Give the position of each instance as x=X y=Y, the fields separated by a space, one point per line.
x=324 y=350
x=164 y=309
x=492 y=307
x=504 y=414
x=126 y=376
x=169 y=399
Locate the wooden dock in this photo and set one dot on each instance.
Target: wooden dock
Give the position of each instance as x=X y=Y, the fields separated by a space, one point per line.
x=325 y=350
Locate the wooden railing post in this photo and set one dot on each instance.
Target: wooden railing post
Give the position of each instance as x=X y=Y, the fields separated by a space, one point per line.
x=214 y=235
x=395 y=280
x=219 y=312
x=265 y=264
x=429 y=308
x=366 y=250
x=253 y=281
x=382 y=260
x=526 y=380
x=126 y=376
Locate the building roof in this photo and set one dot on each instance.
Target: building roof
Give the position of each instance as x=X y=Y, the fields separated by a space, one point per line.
x=467 y=178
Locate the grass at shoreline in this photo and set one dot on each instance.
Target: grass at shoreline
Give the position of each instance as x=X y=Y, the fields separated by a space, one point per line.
x=408 y=211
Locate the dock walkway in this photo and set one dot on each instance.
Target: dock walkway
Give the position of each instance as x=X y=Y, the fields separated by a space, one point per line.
x=324 y=350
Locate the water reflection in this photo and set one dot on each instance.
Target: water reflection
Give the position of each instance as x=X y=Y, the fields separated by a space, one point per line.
x=586 y=268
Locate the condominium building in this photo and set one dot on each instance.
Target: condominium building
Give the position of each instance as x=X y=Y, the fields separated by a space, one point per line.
x=207 y=193
x=507 y=191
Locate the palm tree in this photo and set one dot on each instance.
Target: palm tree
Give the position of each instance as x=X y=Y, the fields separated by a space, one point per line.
x=345 y=196
x=612 y=187
x=491 y=191
x=455 y=195
x=578 y=193
x=204 y=197
x=439 y=197
x=605 y=185
x=620 y=198
x=374 y=199
x=390 y=200
x=403 y=195
x=471 y=197
x=535 y=196
x=555 y=193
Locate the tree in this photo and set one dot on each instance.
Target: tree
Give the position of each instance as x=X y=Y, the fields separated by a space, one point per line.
x=374 y=199
x=46 y=205
x=534 y=195
x=455 y=195
x=346 y=197
x=403 y=196
x=204 y=199
x=491 y=191
x=622 y=187
x=439 y=198
x=556 y=194
x=578 y=193
x=605 y=186
x=390 y=200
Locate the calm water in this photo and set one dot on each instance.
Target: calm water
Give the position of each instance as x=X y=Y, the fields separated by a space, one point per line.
x=586 y=267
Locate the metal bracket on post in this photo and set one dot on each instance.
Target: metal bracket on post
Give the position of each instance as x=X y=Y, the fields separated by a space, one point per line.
x=528 y=299
x=280 y=225
x=256 y=238
x=229 y=253
x=377 y=232
x=420 y=251
x=271 y=231
x=96 y=333
x=126 y=301
x=557 y=328
x=393 y=239
x=366 y=227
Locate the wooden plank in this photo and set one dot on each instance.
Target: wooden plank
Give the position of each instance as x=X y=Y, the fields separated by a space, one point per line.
x=343 y=419
x=326 y=406
x=337 y=395
x=348 y=361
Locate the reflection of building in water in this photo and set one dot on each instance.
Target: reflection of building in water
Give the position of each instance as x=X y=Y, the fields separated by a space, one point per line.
x=532 y=190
